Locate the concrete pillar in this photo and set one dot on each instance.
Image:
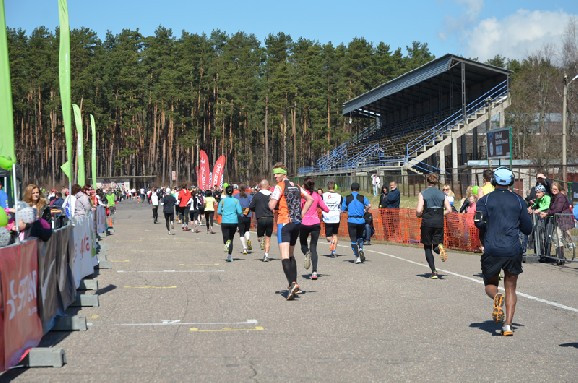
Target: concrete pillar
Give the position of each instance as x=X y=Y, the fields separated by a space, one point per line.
x=502 y=119
x=455 y=159
x=443 y=165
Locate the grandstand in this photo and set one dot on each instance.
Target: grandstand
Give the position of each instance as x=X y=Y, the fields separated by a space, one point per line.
x=415 y=116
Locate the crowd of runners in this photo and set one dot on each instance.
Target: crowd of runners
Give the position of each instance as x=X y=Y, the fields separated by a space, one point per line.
x=501 y=216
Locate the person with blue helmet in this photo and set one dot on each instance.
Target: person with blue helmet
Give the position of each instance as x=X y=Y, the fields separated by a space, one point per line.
x=502 y=215
x=354 y=204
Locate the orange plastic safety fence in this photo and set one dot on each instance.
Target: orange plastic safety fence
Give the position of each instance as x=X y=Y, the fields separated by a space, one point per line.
x=402 y=226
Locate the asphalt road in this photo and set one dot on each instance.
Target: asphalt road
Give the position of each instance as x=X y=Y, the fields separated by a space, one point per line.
x=171 y=310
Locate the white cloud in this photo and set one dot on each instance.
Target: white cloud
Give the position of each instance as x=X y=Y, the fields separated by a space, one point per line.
x=473 y=8
x=517 y=35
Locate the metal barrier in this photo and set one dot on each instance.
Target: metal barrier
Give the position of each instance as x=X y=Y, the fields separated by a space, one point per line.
x=554 y=238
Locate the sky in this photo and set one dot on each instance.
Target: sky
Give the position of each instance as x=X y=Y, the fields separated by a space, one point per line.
x=469 y=28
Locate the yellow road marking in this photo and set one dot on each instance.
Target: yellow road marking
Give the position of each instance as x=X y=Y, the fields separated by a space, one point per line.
x=94 y=316
x=227 y=329
x=150 y=287
x=121 y=261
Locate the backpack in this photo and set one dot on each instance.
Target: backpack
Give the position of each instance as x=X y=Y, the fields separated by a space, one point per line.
x=349 y=199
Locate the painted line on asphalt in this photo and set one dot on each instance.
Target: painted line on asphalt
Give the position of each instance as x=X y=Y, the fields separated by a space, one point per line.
x=481 y=282
x=150 y=287
x=170 y=271
x=176 y=322
x=227 y=329
x=120 y=261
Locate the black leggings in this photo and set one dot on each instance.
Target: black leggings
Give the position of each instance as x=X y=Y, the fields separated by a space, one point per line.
x=304 y=232
x=169 y=217
x=155 y=213
x=429 y=257
x=229 y=230
x=209 y=217
x=184 y=214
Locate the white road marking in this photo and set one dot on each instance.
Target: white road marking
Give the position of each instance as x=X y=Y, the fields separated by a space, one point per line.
x=170 y=271
x=171 y=322
x=480 y=281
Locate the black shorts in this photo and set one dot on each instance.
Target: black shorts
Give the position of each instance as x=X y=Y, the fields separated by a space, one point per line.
x=491 y=266
x=288 y=232
x=432 y=235
x=264 y=226
x=244 y=225
x=331 y=229
x=194 y=215
x=355 y=231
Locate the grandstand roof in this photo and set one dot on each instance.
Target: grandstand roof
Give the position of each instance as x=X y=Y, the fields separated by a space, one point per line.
x=421 y=83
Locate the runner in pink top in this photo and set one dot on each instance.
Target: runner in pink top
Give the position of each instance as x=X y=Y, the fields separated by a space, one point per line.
x=311 y=224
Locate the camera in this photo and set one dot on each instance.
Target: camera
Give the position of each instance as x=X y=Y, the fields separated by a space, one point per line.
x=478 y=216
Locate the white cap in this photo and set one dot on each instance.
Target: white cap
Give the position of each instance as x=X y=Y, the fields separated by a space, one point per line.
x=168 y=190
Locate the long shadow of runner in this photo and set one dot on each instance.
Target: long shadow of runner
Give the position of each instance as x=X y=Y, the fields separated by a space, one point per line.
x=575 y=345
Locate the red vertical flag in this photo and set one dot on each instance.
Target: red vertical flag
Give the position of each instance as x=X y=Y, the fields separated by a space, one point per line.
x=203 y=174
x=218 y=172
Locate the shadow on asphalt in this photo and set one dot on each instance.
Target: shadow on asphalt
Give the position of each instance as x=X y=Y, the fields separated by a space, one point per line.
x=428 y=276
x=575 y=345
x=492 y=327
x=106 y=289
x=308 y=276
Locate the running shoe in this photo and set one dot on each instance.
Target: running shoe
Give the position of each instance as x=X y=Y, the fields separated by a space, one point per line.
x=293 y=290
x=212 y=232
x=443 y=254
x=170 y=232
x=507 y=330
x=265 y=258
x=229 y=258
x=172 y=226
x=434 y=275
x=314 y=275
x=332 y=246
x=333 y=254
x=245 y=252
x=436 y=249
x=357 y=260
x=249 y=245
x=262 y=244
x=361 y=254
x=498 y=312
x=227 y=244
x=307 y=260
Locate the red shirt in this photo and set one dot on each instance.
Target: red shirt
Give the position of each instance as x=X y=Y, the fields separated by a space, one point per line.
x=184 y=197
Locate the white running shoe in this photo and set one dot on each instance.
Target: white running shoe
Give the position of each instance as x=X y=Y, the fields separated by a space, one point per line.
x=357 y=260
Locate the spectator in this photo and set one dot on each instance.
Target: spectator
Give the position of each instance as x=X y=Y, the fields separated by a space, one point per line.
x=487 y=188
x=540 y=180
x=466 y=200
x=450 y=196
x=383 y=197
x=35 y=199
x=82 y=204
x=3 y=198
x=559 y=205
x=376 y=183
x=541 y=200
x=393 y=197
x=472 y=200
x=369 y=228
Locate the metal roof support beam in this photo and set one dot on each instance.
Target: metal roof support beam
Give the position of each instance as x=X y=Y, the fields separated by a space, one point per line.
x=464 y=153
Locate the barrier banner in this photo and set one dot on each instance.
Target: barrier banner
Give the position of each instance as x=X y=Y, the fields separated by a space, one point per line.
x=64 y=258
x=81 y=243
x=100 y=220
x=21 y=327
x=48 y=282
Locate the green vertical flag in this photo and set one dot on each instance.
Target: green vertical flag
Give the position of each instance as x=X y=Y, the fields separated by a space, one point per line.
x=64 y=83
x=93 y=160
x=7 y=154
x=81 y=178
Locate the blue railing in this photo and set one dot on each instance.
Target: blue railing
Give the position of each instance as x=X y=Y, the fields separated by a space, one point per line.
x=429 y=136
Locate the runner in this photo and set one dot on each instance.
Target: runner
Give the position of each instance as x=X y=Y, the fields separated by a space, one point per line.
x=333 y=201
x=245 y=219
x=432 y=205
x=155 y=204
x=169 y=203
x=264 y=215
x=184 y=207
x=230 y=211
x=287 y=196
x=209 y=209
x=311 y=225
x=354 y=204
x=194 y=212
x=502 y=214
